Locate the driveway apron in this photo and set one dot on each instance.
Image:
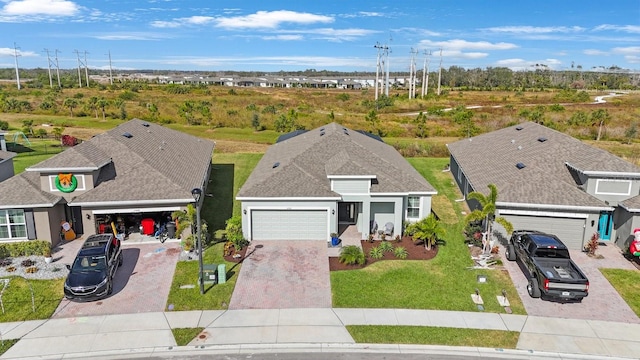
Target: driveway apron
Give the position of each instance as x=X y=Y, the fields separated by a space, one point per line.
x=140 y=285
x=283 y=275
x=603 y=303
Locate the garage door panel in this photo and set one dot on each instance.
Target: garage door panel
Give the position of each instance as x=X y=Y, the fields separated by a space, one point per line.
x=569 y=230
x=289 y=224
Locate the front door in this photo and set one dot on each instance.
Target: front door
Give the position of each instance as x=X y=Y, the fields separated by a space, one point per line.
x=347 y=213
x=605 y=224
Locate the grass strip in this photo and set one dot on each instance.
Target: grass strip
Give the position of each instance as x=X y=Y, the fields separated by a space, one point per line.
x=184 y=336
x=426 y=335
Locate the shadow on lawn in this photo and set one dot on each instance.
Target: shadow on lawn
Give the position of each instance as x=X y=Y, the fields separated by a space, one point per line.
x=218 y=204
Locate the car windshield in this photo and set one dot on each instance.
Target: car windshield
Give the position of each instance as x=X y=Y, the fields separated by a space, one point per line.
x=89 y=263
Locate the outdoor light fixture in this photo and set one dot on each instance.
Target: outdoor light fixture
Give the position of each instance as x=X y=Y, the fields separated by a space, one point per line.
x=88 y=216
x=244 y=211
x=197 y=193
x=333 y=212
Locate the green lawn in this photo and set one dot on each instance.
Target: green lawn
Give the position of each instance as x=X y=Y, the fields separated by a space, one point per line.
x=425 y=335
x=30 y=154
x=17 y=300
x=626 y=283
x=184 y=336
x=443 y=283
x=216 y=297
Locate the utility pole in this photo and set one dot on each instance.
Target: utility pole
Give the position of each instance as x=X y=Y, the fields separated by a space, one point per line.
x=440 y=72
x=15 y=55
x=79 y=63
x=387 y=50
x=110 y=69
x=86 y=68
x=49 y=68
x=377 y=85
x=412 y=74
x=58 y=70
x=425 y=73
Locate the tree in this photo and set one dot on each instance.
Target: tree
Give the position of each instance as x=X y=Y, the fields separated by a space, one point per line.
x=631 y=132
x=188 y=218
x=93 y=104
x=57 y=132
x=255 y=121
x=102 y=103
x=41 y=133
x=70 y=103
x=600 y=117
x=27 y=127
x=427 y=230
x=487 y=212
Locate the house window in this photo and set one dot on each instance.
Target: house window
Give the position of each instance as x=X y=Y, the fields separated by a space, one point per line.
x=413 y=207
x=12 y=224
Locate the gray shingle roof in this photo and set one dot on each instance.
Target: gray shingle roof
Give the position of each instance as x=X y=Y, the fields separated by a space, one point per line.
x=306 y=160
x=491 y=159
x=632 y=205
x=155 y=163
x=23 y=190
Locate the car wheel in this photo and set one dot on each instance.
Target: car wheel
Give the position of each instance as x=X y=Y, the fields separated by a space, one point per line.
x=511 y=252
x=533 y=289
x=120 y=259
x=110 y=287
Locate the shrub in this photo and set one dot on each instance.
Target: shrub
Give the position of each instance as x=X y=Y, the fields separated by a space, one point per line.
x=400 y=252
x=68 y=140
x=592 y=244
x=386 y=246
x=31 y=270
x=352 y=255
x=234 y=234
x=24 y=248
x=376 y=253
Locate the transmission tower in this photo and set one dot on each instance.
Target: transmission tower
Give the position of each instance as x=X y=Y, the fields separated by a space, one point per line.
x=387 y=51
x=15 y=55
x=425 y=73
x=440 y=72
x=79 y=66
x=412 y=74
x=382 y=62
x=377 y=84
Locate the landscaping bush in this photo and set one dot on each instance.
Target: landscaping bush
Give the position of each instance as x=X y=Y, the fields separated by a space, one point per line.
x=386 y=246
x=24 y=248
x=376 y=253
x=352 y=255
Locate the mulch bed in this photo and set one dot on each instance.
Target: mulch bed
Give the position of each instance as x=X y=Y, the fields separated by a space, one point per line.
x=236 y=260
x=415 y=251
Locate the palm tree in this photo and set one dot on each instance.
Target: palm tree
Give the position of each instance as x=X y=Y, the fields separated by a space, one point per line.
x=487 y=212
x=102 y=103
x=93 y=104
x=428 y=230
x=601 y=117
x=70 y=103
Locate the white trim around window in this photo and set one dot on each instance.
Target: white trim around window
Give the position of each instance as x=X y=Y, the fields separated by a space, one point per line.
x=13 y=224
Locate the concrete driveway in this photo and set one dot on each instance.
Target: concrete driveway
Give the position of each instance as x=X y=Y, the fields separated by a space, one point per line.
x=603 y=303
x=282 y=275
x=141 y=284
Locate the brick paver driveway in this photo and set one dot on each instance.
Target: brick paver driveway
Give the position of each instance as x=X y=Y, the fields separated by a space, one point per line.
x=141 y=284
x=603 y=302
x=283 y=274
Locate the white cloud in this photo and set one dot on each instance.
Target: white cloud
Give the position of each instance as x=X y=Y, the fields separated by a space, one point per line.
x=460 y=45
x=166 y=24
x=521 y=64
x=283 y=37
x=535 y=29
x=631 y=50
x=144 y=36
x=634 y=29
x=40 y=7
x=594 y=52
x=271 y=19
x=11 y=52
x=199 y=20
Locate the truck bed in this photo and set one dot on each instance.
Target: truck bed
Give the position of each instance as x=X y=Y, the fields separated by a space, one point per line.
x=559 y=270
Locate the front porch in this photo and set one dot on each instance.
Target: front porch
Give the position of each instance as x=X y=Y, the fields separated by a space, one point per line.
x=349 y=235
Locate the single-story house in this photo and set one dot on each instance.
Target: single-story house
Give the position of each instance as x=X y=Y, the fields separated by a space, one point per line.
x=552 y=182
x=311 y=182
x=136 y=170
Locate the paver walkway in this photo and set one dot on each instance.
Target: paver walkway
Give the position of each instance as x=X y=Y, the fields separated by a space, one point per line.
x=283 y=274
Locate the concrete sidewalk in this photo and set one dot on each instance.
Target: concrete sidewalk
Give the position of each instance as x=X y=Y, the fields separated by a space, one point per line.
x=291 y=330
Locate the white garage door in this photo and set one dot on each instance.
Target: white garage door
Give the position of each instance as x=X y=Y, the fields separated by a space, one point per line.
x=569 y=230
x=289 y=225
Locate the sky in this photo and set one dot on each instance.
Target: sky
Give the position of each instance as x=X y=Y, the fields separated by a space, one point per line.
x=344 y=35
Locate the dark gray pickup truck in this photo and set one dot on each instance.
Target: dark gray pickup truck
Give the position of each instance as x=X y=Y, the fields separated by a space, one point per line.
x=551 y=272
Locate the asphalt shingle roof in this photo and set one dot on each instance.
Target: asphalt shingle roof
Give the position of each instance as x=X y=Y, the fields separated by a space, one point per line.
x=155 y=163
x=491 y=158
x=4 y=155
x=306 y=160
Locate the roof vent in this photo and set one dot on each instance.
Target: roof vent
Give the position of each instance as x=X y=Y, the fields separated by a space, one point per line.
x=513 y=141
x=521 y=166
x=542 y=139
x=275 y=165
x=321 y=129
x=145 y=124
x=321 y=132
x=519 y=128
x=346 y=132
x=127 y=135
x=519 y=147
